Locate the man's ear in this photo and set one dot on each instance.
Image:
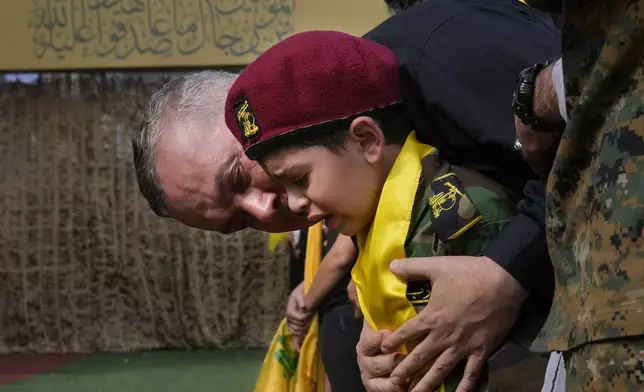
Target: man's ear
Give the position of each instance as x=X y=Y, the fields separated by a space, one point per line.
x=368 y=137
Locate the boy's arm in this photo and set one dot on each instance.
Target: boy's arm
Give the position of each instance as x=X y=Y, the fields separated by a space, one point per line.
x=495 y=211
x=475 y=240
x=337 y=262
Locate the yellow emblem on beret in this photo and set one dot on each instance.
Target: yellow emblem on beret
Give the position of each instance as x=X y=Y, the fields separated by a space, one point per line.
x=246 y=121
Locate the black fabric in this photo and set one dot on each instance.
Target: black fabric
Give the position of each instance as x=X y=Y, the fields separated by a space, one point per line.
x=339 y=335
x=551 y=6
x=296 y=270
x=528 y=245
x=338 y=294
x=459 y=60
x=297 y=256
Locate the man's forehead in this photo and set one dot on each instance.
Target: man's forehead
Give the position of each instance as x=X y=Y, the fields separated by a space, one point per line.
x=194 y=144
x=191 y=169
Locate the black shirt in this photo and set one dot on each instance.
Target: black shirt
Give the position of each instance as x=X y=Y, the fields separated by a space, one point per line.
x=338 y=294
x=459 y=62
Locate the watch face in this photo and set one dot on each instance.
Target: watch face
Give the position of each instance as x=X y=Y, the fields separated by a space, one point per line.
x=524 y=95
x=517 y=105
x=522 y=104
x=525 y=88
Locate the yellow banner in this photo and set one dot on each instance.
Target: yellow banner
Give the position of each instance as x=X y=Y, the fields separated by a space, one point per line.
x=78 y=34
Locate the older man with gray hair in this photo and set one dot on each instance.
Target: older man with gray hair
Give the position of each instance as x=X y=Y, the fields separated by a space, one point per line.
x=189 y=167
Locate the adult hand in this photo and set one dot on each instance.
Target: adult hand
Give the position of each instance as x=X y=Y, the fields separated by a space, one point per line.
x=375 y=367
x=538 y=148
x=473 y=305
x=298 y=316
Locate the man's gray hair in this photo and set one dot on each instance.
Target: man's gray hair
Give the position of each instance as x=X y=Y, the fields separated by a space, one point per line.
x=197 y=98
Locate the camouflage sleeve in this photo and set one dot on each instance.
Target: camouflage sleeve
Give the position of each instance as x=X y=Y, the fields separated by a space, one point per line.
x=487 y=214
x=496 y=212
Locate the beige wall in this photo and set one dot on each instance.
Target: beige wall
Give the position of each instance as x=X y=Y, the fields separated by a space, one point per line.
x=80 y=34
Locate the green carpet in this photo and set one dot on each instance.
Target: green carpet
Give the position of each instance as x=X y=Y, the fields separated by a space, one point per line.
x=158 y=371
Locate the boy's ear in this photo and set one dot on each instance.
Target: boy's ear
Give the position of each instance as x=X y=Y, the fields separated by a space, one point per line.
x=368 y=136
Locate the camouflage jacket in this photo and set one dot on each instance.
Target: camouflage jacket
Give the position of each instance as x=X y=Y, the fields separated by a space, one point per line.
x=595 y=202
x=456 y=212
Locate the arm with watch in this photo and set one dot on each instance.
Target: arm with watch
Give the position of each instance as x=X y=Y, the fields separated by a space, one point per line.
x=540 y=114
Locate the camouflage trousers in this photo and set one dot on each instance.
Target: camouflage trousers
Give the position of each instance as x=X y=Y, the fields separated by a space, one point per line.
x=615 y=365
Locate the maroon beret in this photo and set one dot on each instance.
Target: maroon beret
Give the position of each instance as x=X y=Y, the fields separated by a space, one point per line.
x=308 y=79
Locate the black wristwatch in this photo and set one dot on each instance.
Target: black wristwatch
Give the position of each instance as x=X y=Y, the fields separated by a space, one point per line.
x=523 y=102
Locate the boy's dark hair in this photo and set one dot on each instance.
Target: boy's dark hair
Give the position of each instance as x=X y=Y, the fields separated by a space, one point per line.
x=396 y=6
x=333 y=135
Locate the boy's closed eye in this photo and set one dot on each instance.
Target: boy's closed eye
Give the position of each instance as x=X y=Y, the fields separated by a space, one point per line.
x=288 y=177
x=302 y=182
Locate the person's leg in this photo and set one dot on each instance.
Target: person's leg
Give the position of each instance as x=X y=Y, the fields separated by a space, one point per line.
x=339 y=335
x=615 y=365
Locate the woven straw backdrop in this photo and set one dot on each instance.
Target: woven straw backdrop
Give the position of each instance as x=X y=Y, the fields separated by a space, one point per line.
x=84 y=264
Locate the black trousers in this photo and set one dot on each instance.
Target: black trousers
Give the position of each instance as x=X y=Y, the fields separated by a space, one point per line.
x=339 y=335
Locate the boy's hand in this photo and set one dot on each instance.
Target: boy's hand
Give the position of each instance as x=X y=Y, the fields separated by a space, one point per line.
x=375 y=366
x=298 y=316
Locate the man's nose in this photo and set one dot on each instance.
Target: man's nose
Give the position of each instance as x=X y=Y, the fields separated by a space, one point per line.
x=260 y=205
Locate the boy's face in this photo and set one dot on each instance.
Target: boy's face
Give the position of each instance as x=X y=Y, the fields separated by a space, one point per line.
x=343 y=188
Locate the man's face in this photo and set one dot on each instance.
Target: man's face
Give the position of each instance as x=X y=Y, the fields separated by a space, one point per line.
x=209 y=184
x=342 y=188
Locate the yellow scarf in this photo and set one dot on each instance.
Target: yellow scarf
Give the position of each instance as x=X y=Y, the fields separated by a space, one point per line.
x=310 y=368
x=382 y=294
x=284 y=370
x=274 y=239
